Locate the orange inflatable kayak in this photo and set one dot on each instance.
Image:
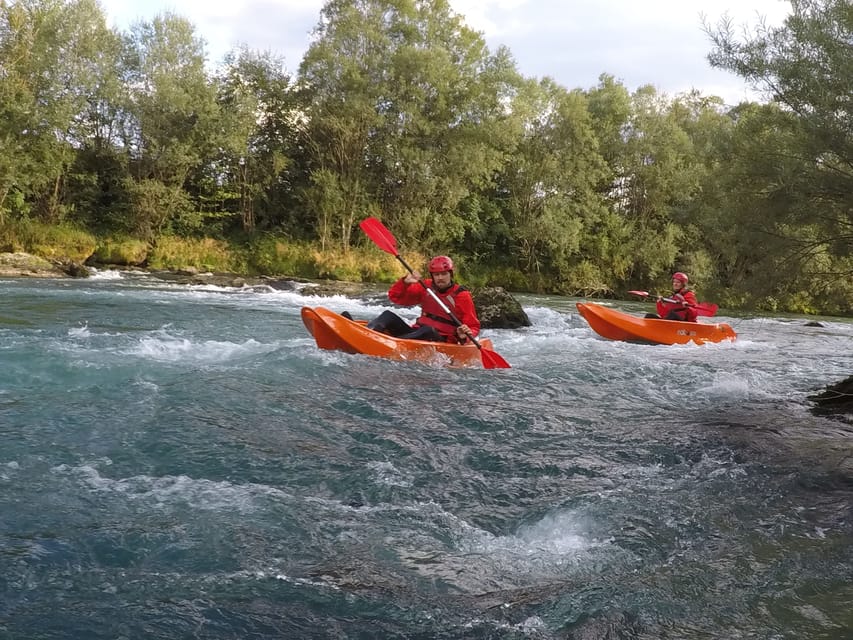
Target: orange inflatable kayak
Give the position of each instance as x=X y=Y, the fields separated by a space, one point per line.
x=334 y=332
x=616 y=325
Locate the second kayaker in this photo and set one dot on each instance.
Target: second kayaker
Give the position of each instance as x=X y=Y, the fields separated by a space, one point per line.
x=681 y=303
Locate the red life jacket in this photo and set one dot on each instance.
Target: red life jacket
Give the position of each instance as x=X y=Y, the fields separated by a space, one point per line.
x=687 y=314
x=432 y=315
x=456 y=297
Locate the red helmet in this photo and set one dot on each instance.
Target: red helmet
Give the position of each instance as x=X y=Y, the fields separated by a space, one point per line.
x=681 y=277
x=440 y=263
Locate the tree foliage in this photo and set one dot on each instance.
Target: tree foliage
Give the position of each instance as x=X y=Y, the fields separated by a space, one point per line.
x=405 y=106
x=260 y=111
x=400 y=110
x=804 y=175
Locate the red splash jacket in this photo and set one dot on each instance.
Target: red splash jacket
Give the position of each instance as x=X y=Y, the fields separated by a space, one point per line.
x=688 y=314
x=458 y=299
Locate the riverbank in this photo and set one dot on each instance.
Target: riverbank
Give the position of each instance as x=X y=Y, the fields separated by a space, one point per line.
x=26 y=265
x=498 y=309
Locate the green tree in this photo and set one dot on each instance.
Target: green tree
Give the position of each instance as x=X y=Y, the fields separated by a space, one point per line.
x=50 y=52
x=655 y=177
x=260 y=113
x=96 y=192
x=551 y=204
x=175 y=122
x=609 y=103
x=446 y=127
x=342 y=73
x=406 y=112
x=805 y=176
x=704 y=242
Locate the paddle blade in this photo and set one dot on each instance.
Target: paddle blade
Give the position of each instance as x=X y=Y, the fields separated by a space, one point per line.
x=706 y=309
x=644 y=294
x=379 y=233
x=492 y=360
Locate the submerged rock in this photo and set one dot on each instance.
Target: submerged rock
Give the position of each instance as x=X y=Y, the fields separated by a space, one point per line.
x=835 y=400
x=74 y=269
x=339 y=288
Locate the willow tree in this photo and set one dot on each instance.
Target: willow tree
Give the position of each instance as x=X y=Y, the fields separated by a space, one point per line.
x=805 y=67
x=175 y=124
x=405 y=111
x=259 y=119
x=50 y=56
x=548 y=189
x=714 y=246
x=660 y=176
x=342 y=74
x=447 y=129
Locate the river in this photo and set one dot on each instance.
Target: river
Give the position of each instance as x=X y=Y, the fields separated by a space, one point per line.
x=183 y=462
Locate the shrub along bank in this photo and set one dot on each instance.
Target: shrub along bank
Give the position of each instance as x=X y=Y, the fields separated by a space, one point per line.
x=265 y=254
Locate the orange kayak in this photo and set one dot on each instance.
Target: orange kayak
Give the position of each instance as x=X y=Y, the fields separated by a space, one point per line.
x=334 y=332
x=616 y=325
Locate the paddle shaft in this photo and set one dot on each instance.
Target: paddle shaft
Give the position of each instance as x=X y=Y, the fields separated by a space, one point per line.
x=703 y=308
x=646 y=294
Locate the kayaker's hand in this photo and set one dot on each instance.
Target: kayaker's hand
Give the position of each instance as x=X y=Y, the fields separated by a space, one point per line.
x=463 y=332
x=412 y=278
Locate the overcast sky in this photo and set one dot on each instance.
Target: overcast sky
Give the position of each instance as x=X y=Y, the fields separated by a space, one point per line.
x=658 y=42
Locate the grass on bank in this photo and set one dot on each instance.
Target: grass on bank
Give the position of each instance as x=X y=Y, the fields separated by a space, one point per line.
x=62 y=242
x=268 y=255
x=262 y=255
x=281 y=257
x=274 y=256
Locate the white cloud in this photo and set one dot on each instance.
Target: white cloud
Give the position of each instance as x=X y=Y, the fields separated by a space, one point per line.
x=658 y=42
x=493 y=18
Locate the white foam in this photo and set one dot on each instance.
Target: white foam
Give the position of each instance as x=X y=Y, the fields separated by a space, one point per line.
x=175 y=491
x=168 y=349
x=105 y=274
x=387 y=474
x=728 y=386
x=556 y=534
x=79 y=332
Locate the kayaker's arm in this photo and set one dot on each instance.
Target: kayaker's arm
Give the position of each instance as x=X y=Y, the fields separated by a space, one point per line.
x=405 y=294
x=467 y=314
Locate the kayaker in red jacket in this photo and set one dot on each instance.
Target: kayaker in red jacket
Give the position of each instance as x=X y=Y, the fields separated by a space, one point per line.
x=434 y=324
x=684 y=302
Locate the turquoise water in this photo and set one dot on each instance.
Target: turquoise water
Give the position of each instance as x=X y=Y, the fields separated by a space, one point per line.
x=183 y=462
